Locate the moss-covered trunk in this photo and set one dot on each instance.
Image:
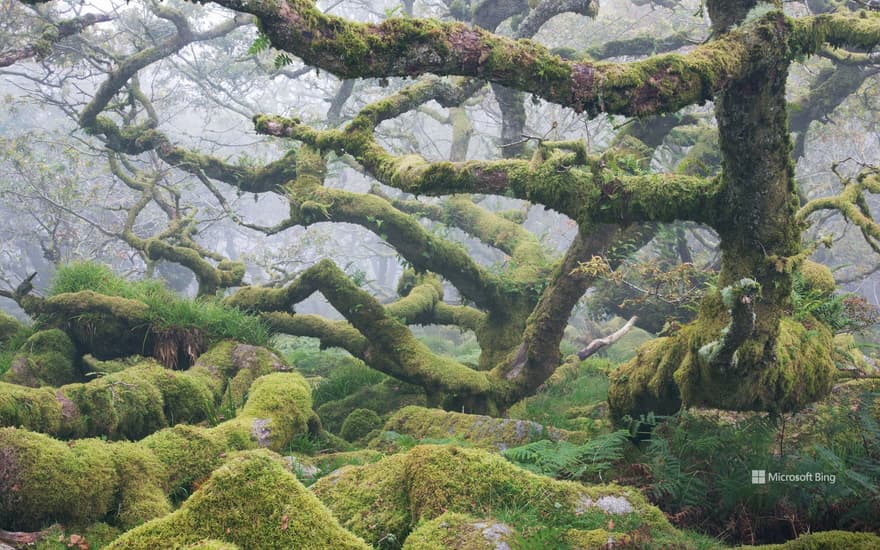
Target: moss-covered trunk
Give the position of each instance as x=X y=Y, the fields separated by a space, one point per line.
x=743 y=352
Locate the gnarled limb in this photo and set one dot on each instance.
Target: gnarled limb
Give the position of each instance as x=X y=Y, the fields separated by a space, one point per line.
x=53 y=33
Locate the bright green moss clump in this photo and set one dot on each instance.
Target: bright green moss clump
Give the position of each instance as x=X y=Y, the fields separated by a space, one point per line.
x=251 y=501
x=141 y=399
x=44 y=480
x=360 y=423
x=462 y=532
x=48 y=358
x=829 y=540
x=483 y=431
x=395 y=494
x=8 y=327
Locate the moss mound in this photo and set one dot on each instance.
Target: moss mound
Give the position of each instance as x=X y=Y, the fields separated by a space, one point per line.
x=48 y=358
x=253 y=502
x=110 y=317
x=460 y=531
x=139 y=400
x=9 y=326
x=44 y=480
x=482 y=431
x=360 y=423
x=818 y=277
x=393 y=495
x=829 y=540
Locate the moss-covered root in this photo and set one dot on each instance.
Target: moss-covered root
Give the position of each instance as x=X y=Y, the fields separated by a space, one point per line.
x=140 y=399
x=828 y=540
x=44 y=480
x=482 y=431
x=669 y=372
x=253 y=502
x=392 y=496
x=48 y=358
x=452 y=530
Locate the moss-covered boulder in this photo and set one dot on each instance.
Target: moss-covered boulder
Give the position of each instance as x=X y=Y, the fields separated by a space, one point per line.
x=9 y=327
x=460 y=531
x=44 y=480
x=482 y=431
x=360 y=423
x=251 y=501
x=135 y=401
x=829 y=540
x=48 y=358
x=239 y=364
x=389 y=498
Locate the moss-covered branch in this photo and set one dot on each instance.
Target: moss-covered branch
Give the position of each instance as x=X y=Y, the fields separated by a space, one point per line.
x=52 y=34
x=43 y=479
x=852 y=204
x=561 y=181
x=390 y=347
x=408 y=47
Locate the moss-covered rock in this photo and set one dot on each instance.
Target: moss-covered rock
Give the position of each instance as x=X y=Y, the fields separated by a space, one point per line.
x=239 y=364
x=9 y=326
x=460 y=531
x=251 y=501
x=48 y=358
x=360 y=423
x=138 y=400
x=395 y=494
x=482 y=431
x=829 y=540
x=43 y=479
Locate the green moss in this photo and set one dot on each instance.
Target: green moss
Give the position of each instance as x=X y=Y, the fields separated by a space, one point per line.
x=818 y=277
x=371 y=501
x=460 y=531
x=670 y=371
x=140 y=310
x=829 y=540
x=56 y=537
x=253 y=502
x=482 y=431
x=130 y=404
x=360 y=423
x=42 y=479
x=9 y=326
x=48 y=358
x=387 y=396
x=395 y=494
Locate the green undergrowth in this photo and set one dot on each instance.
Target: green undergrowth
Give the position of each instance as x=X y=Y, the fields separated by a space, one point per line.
x=9 y=348
x=572 y=399
x=697 y=468
x=309 y=358
x=166 y=309
x=461 y=346
x=345 y=379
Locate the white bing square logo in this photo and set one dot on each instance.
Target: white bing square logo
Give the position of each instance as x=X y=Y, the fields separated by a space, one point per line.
x=759 y=477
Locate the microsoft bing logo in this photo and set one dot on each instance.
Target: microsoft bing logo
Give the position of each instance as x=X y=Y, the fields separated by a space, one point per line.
x=759 y=477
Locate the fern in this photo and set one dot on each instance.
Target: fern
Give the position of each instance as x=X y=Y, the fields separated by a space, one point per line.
x=261 y=44
x=565 y=460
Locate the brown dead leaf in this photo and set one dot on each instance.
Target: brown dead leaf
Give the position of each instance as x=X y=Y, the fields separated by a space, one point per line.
x=284 y=520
